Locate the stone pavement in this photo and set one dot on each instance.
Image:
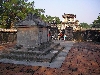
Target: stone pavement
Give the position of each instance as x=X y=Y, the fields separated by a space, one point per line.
x=20 y=57
x=82 y=59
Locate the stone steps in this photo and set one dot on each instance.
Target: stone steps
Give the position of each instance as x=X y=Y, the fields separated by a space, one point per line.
x=33 y=52
x=46 y=55
x=59 y=50
x=24 y=53
x=28 y=58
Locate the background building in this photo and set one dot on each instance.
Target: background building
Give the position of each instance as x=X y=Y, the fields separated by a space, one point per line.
x=69 y=20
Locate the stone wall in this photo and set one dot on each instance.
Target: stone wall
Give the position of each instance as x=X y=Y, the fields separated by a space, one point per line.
x=31 y=36
x=27 y=36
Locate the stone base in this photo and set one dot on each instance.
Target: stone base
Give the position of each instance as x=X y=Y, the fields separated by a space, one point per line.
x=52 y=56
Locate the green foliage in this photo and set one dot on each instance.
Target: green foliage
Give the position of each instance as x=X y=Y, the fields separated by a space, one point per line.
x=12 y=11
x=51 y=19
x=43 y=17
x=84 y=25
x=1 y=8
x=96 y=23
x=90 y=25
x=57 y=20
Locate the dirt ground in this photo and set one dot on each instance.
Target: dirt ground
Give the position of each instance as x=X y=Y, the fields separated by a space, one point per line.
x=82 y=59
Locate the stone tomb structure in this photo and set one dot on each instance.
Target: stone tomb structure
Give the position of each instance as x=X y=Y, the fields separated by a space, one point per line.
x=32 y=32
x=33 y=46
x=32 y=36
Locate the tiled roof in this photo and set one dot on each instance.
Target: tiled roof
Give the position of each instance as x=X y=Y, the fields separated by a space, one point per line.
x=69 y=15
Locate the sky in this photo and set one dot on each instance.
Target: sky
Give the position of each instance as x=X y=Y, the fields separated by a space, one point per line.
x=86 y=10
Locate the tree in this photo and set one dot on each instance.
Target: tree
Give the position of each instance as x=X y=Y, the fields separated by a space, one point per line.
x=1 y=8
x=90 y=25
x=14 y=10
x=51 y=19
x=43 y=17
x=57 y=20
x=96 y=23
x=39 y=11
x=84 y=25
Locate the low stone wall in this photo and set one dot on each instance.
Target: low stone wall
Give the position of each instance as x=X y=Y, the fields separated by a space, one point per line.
x=88 y=35
x=8 y=36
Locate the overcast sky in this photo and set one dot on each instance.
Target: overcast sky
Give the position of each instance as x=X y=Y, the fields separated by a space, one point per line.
x=86 y=10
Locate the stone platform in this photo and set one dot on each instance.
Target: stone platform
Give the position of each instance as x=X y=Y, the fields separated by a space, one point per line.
x=51 y=56
x=80 y=60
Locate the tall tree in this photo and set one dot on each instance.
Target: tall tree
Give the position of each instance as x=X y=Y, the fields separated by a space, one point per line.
x=96 y=23
x=14 y=10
